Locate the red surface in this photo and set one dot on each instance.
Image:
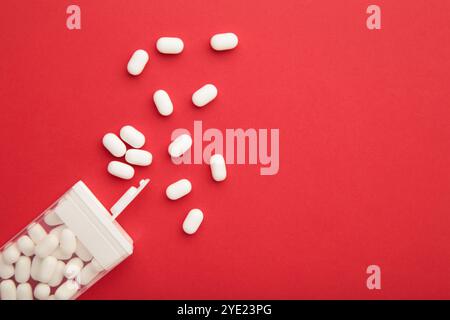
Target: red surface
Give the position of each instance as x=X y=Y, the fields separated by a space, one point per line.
x=364 y=141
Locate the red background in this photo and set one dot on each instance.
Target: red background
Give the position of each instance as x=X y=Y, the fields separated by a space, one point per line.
x=364 y=141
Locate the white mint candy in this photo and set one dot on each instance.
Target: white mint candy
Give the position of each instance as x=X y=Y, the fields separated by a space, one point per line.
x=180 y=145
x=26 y=245
x=67 y=242
x=36 y=232
x=24 y=292
x=52 y=219
x=11 y=254
x=121 y=170
x=46 y=269
x=8 y=290
x=22 y=269
x=46 y=246
x=35 y=267
x=137 y=62
x=6 y=269
x=73 y=268
x=178 y=189
x=58 y=274
x=192 y=221
x=82 y=252
x=170 y=45
x=138 y=157
x=224 y=41
x=163 y=103
x=67 y=290
x=204 y=95
x=114 y=145
x=218 y=167
x=42 y=291
x=132 y=136
x=89 y=272
x=57 y=231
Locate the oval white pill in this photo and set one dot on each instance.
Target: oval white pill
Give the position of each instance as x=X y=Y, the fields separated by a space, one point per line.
x=224 y=41
x=6 y=270
x=46 y=269
x=23 y=269
x=204 y=95
x=52 y=219
x=67 y=242
x=57 y=231
x=46 y=246
x=11 y=253
x=180 y=145
x=36 y=232
x=8 y=290
x=73 y=268
x=26 y=245
x=24 y=292
x=114 y=145
x=178 y=189
x=218 y=167
x=35 y=267
x=82 y=252
x=132 y=136
x=163 y=103
x=67 y=290
x=169 y=45
x=139 y=157
x=42 y=291
x=58 y=274
x=88 y=273
x=137 y=62
x=121 y=170
x=192 y=221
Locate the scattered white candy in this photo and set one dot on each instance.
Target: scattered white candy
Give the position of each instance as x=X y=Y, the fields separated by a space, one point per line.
x=218 y=167
x=23 y=269
x=67 y=242
x=52 y=219
x=163 y=103
x=178 y=189
x=132 y=136
x=6 y=270
x=170 y=45
x=82 y=252
x=114 y=145
x=51 y=297
x=11 y=253
x=42 y=291
x=67 y=290
x=180 y=145
x=204 y=95
x=58 y=274
x=35 y=267
x=46 y=269
x=224 y=41
x=8 y=290
x=73 y=268
x=121 y=170
x=137 y=62
x=138 y=157
x=26 y=245
x=192 y=221
x=24 y=292
x=36 y=232
x=46 y=246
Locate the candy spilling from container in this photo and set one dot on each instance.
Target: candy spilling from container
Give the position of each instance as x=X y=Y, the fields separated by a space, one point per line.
x=67 y=248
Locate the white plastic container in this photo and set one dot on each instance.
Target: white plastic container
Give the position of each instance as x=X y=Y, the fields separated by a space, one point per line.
x=101 y=244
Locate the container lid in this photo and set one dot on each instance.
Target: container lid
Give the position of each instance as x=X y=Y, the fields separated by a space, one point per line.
x=94 y=226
